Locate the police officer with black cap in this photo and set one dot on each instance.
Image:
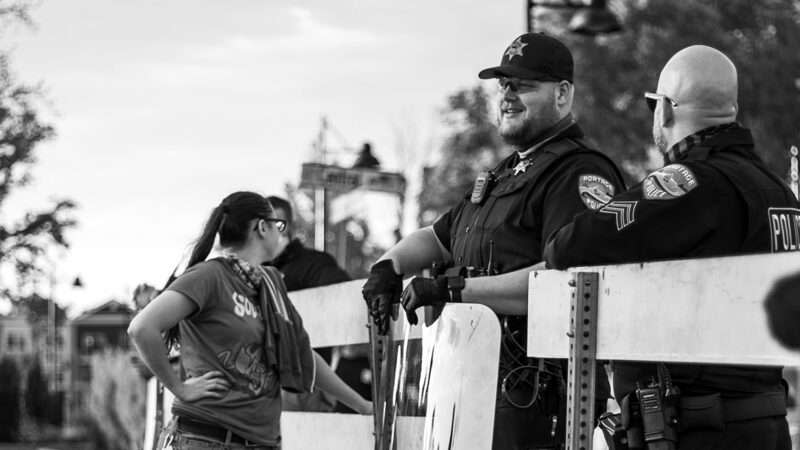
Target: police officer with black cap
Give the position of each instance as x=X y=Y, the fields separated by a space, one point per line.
x=714 y=197
x=496 y=234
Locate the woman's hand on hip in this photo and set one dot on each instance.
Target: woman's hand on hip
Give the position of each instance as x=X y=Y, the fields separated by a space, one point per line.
x=209 y=385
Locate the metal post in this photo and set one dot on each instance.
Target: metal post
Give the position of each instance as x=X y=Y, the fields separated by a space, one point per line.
x=793 y=170
x=529 y=16
x=319 y=218
x=582 y=362
x=51 y=335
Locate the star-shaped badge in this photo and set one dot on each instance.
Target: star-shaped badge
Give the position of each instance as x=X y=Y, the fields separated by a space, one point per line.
x=515 y=49
x=522 y=166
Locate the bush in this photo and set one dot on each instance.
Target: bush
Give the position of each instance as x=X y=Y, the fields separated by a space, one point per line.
x=36 y=393
x=117 y=401
x=10 y=400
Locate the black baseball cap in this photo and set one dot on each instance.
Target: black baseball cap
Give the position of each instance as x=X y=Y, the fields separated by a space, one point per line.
x=533 y=56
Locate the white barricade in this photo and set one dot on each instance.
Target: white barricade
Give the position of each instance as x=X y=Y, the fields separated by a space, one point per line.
x=699 y=310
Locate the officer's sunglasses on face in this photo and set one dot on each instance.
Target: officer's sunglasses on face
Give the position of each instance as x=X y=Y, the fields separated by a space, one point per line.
x=280 y=224
x=516 y=85
x=652 y=100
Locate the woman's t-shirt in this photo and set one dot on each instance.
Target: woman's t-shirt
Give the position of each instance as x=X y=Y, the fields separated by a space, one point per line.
x=226 y=334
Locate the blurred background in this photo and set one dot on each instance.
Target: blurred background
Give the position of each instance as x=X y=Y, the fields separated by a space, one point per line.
x=123 y=123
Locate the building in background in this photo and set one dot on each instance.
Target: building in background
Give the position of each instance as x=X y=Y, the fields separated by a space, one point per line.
x=101 y=329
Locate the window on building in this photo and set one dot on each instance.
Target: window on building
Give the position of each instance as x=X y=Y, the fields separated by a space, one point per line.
x=88 y=343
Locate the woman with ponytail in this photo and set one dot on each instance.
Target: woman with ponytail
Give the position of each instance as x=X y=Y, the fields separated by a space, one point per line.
x=241 y=339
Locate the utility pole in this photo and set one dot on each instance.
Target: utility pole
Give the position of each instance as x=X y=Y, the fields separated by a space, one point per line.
x=793 y=175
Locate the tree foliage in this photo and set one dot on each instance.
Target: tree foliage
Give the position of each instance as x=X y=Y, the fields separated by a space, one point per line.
x=473 y=145
x=117 y=401
x=613 y=71
x=24 y=240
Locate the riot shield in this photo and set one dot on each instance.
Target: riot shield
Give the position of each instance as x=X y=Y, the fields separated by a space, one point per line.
x=446 y=379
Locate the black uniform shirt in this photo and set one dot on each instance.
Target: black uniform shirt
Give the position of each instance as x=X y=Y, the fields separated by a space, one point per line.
x=715 y=199
x=305 y=268
x=531 y=198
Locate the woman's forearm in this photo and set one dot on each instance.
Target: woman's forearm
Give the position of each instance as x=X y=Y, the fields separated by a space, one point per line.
x=328 y=381
x=152 y=351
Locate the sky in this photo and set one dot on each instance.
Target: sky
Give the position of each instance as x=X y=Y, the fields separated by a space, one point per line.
x=163 y=108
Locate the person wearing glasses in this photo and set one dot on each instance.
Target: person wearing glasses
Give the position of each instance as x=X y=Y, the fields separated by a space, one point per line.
x=241 y=339
x=714 y=197
x=496 y=234
x=305 y=268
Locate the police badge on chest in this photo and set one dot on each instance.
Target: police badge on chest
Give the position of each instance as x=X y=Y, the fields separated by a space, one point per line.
x=483 y=184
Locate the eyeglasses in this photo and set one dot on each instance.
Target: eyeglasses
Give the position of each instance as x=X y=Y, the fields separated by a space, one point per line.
x=280 y=224
x=652 y=100
x=516 y=85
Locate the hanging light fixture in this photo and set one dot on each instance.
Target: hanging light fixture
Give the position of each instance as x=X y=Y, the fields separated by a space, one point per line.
x=594 y=20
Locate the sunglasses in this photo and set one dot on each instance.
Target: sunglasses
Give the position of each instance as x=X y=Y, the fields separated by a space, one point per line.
x=516 y=85
x=280 y=224
x=652 y=100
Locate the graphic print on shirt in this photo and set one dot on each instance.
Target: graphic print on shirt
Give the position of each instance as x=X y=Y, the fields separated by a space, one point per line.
x=669 y=182
x=784 y=225
x=248 y=361
x=244 y=306
x=595 y=191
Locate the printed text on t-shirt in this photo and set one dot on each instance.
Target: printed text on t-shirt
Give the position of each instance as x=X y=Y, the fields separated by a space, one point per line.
x=243 y=306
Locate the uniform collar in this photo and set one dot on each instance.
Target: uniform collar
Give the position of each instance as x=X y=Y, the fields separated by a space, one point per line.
x=715 y=136
x=566 y=127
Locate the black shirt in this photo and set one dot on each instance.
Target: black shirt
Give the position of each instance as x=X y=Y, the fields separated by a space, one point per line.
x=716 y=198
x=560 y=179
x=305 y=268
x=530 y=198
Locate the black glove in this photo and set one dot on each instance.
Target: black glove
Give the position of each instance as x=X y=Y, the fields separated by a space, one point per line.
x=381 y=290
x=422 y=292
x=783 y=311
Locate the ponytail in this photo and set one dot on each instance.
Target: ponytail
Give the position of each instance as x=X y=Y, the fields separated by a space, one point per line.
x=230 y=220
x=200 y=252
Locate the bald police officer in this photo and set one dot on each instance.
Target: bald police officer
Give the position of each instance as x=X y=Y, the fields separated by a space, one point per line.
x=499 y=229
x=714 y=197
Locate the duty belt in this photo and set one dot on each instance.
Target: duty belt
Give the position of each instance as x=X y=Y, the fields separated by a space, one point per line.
x=767 y=404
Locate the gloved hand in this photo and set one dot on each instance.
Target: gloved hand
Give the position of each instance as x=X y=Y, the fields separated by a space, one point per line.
x=381 y=290
x=421 y=292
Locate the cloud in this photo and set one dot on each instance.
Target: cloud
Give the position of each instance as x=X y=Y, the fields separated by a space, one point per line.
x=306 y=35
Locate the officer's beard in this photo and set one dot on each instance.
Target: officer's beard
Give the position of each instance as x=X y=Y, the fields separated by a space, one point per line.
x=525 y=133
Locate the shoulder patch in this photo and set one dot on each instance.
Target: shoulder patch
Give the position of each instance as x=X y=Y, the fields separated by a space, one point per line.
x=669 y=182
x=624 y=212
x=595 y=191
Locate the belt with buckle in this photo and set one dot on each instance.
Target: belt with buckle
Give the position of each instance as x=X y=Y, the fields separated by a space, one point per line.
x=218 y=433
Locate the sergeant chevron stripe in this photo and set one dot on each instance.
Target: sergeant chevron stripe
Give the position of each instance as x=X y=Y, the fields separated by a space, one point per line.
x=623 y=211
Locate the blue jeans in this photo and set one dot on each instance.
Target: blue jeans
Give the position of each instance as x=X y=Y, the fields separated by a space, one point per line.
x=190 y=441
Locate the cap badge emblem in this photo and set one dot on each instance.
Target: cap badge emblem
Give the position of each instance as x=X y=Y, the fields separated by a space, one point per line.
x=515 y=49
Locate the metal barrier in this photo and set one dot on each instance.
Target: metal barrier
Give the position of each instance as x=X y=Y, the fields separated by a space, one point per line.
x=701 y=310
x=662 y=311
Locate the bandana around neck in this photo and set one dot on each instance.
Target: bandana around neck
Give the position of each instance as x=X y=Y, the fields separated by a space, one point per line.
x=249 y=274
